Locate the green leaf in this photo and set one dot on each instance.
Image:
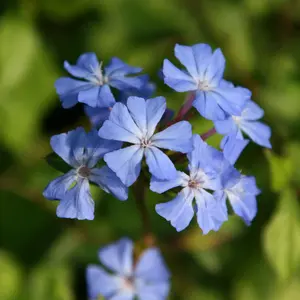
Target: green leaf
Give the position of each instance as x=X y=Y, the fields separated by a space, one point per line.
x=281 y=171
x=282 y=236
x=26 y=83
x=50 y=282
x=57 y=163
x=11 y=277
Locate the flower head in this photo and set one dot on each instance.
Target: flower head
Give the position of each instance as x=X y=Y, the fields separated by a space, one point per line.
x=204 y=167
x=82 y=151
x=136 y=124
x=148 y=278
x=240 y=190
x=203 y=75
x=95 y=87
x=248 y=123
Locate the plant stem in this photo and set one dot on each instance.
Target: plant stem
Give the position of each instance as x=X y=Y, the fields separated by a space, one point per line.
x=208 y=134
x=139 y=195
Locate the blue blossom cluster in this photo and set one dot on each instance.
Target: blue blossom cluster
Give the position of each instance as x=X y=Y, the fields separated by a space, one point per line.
x=129 y=125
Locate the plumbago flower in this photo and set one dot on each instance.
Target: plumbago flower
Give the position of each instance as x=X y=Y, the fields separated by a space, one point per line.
x=148 y=278
x=95 y=88
x=203 y=75
x=209 y=170
x=248 y=123
x=204 y=164
x=135 y=124
x=240 y=190
x=82 y=151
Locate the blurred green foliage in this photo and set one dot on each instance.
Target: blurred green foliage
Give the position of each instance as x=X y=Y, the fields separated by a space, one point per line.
x=43 y=257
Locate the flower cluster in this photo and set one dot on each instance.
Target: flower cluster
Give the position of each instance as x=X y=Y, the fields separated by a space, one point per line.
x=128 y=125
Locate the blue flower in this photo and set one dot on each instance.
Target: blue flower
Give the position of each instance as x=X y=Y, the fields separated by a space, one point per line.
x=95 y=87
x=248 y=123
x=240 y=190
x=204 y=167
x=203 y=75
x=147 y=278
x=135 y=124
x=82 y=151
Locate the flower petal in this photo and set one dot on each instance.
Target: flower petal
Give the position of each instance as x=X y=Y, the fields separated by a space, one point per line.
x=126 y=163
x=259 y=132
x=77 y=203
x=153 y=291
x=57 y=188
x=207 y=106
x=210 y=215
x=101 y=283
x=118 y=257
x=68 y=89
x=177 y=137
x=120 y=126
x=231 y=100
x=97 y=147
x=70 y=146
x=90 y=96
x=155 y=108
x=159 y=164
x=109 y=182
x=117 y=67
x=215 y=69
x=137 y=109
x=151 y=266
x=160 y=186
x=97 y=115
x=178 y=80
x=252 y=111
x=233 y=147
x=226 y=126
x=178 y=211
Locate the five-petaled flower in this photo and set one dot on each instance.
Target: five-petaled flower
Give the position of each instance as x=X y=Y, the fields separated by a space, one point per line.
x=147 y=278
x=95 y=87
x=204 y=167
x=82 y=151
x=248 y=123
x=135 y=124
x=204 y=76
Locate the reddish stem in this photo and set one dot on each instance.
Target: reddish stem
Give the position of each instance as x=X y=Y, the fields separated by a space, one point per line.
x=208 y=134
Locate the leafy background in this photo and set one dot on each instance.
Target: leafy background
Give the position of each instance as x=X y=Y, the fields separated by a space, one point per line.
x=43 y=257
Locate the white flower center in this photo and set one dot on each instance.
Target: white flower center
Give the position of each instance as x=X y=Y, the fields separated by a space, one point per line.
x=98 y=78
x=84 y=171
x=128 y=283
x=236 y=119
x=204 y=85
x=145 y=143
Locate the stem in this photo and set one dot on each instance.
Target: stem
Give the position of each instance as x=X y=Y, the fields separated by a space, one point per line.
x=187 y=105
x=208 y=134
x=139 y=195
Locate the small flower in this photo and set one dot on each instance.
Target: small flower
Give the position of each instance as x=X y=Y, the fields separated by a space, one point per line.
x=248 y=123
x=204 y=167
x=240 y=190
x=135 y=124
x=95 y=88
x=203 y=75
x=82 y=151
x=148 y=278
